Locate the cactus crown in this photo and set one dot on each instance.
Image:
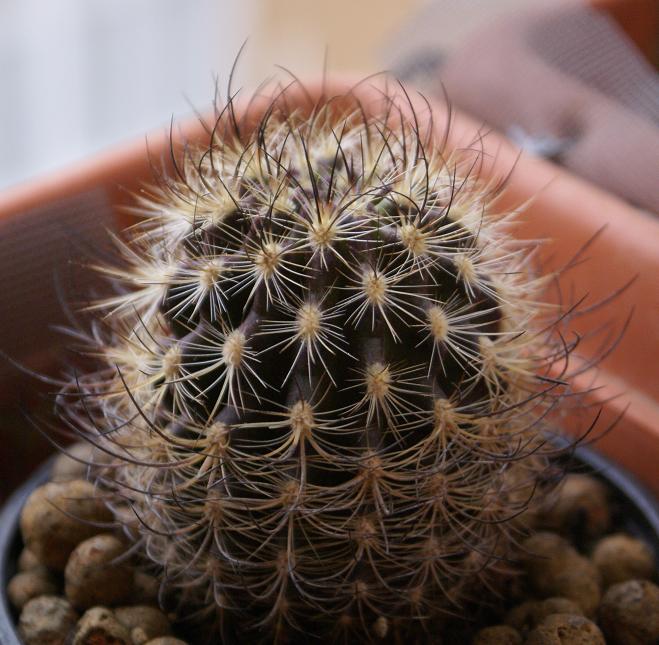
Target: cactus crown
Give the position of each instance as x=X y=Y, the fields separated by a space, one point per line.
x=322 y=374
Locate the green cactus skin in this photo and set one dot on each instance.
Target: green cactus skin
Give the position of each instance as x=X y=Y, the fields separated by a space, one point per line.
x=323 y=377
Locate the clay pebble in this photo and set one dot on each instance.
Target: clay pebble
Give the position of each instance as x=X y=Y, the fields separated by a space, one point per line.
x=73 y=463
x=145 y=588
x=96 y=574
x=46 y=620
x=629 y=613
x=99 y=626
x=497 y=635
x=579 y=507
x=621 y=557
x=28 y=561
x=529 y=614
x=566 y=629
x=144 y=623
x=26 y=585
x=556 y=569
x=57 y=517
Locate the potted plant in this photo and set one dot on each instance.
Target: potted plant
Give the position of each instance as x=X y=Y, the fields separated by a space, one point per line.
x=264 y=383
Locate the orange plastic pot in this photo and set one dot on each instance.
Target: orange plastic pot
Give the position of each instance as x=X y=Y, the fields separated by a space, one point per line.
x=566 y=210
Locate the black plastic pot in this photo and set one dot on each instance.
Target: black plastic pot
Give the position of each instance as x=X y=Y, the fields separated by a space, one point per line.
x=10 y=547
x=635 y=510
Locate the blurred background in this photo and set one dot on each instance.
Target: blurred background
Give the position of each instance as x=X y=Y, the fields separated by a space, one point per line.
x=575 y=81
x=80 y=75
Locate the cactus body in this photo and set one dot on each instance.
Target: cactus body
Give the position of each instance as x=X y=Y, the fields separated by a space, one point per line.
x=321 y=379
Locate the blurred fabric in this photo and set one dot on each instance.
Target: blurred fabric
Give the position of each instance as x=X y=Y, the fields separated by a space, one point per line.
x=572 y=77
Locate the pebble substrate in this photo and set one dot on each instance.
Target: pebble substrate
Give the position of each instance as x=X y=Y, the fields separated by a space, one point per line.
x=581 y=581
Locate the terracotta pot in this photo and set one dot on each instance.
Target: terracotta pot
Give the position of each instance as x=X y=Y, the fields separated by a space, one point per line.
x=102 y=187
x=640 y=21
x=570 y=211
x=565 y=209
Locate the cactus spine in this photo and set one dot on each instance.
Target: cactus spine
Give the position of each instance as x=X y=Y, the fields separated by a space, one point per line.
x=323 y=375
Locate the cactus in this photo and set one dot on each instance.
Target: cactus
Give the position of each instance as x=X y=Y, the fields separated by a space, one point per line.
x=323 y=377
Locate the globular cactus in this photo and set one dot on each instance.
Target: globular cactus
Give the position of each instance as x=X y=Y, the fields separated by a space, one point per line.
x=324 y=375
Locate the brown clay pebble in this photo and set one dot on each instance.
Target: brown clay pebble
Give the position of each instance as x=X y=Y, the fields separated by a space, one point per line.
x=29 y=584
x=73 y=463
x=555 y=606
x=578 y=581
x=556 y=569
x=99 y=626
x=166 y=640
x=52 y=534
x=580 y=505
x=621 y=557
x=544 y=548
x=629 y=613
x=521 y=617
x=566 y=629
x=497 y=635
x=145 y=589
x=27 y=561
x=46 y=620
x=129 y=522
x=532 y=612
x=93 y=576
x=143 y=622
